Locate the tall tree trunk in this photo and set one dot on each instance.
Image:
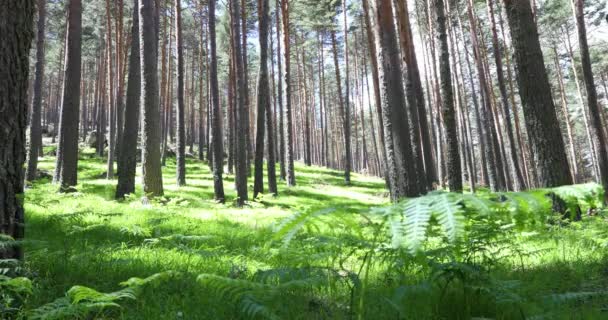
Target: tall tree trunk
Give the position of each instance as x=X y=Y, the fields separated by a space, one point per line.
x=127 y=157
x=111 y=97
x=375 y=80
x=398 y=150
x=67 y=150
x=516 y=169
x=535 y=92
x=150 y=107
x=16 y=22
x=35 y=133
x=263 y=100
x=216 y=128
x=346 y=106
x=454 y=172
x=181 y=130
x=282 y=151
x=564 y=102
x=290 y=172
x=242 y=123
x=594 y=109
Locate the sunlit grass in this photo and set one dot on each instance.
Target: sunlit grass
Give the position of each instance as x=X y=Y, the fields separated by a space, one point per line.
x=88 y=238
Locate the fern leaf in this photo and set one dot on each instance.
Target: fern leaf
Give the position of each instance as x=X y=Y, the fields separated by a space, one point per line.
x=417 y=216
x=290 y=226
x=449 y=212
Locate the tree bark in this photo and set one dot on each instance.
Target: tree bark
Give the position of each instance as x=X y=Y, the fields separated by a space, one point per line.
x=396 y=129
x=181 y=130
x=592 y=103
x=67 y=150
x=16 y=22
x=539 y=109
x=216 y=131
x=290 y=172
x=263 y=100
x=150 y=108
x=454 y=170
x=127 y=157
x=35 y=132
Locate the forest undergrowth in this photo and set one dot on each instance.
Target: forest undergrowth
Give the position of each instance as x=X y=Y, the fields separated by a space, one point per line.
x=320 y=250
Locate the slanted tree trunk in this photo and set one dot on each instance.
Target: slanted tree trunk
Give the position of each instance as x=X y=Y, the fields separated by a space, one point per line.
x=396 y=129
x=539 y=109
x=516 y=169
x=127 y=157
x=67 y=150
x=454 y=170
x=564 y=103
x=150 y=132
x=35 y=133
x=290 y=171
x=16 y=22
x=181 y=129
x=216 y=127
x=594 y=109
x=375 y=81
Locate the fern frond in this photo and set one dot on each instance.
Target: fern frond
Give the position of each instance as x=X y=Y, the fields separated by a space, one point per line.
x=570 y=296
x=449 y=211
x=417 y=214
x=255 y=309
x=232 y=289
x=481 y=205
x=290 y=226
x=78 y=294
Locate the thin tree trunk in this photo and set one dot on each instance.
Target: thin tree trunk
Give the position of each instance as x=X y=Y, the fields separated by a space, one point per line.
x=67 y=150
x=594 y=109
x=35 y=133
x=181 y=130
x=151 y=162
x=291 y=178
x=127 y=157
x=454 y=172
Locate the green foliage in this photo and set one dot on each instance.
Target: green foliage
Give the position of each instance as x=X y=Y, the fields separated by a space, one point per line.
x=348 y=253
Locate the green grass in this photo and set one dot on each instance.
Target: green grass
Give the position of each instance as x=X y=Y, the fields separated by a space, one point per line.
x=87 y=238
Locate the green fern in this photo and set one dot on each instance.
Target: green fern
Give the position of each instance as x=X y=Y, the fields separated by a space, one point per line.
x=417 y=214
x=290 y=226
x=447 y=208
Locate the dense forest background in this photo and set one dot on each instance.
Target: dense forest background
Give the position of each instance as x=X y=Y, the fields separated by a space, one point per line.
x=303 y=159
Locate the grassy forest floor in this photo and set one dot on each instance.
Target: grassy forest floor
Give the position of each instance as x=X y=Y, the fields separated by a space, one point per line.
x=87 y=238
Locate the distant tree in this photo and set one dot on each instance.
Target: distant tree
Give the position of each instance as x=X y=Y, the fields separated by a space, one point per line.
x=66 y=169
x=454 y=171
x=150 y=109
x=263 y=108
x=396 y=128
x=538 y=106
x=346 y=123
x=291 y=177
x=216 y=113
x=111 y=95
x=594 y=109
x=242 y=124
x=35 y=117
x=16 y=22
x=181 y=130
x=127 y=157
